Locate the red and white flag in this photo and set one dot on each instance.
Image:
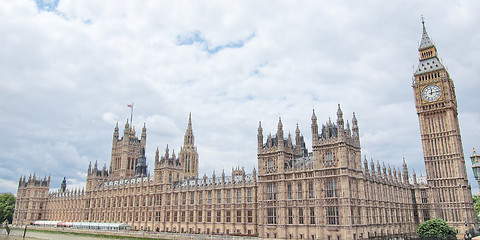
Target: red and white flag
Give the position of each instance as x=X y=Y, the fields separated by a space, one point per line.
x=129 y=105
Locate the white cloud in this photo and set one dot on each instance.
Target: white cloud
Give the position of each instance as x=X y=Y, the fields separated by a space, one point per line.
x=68 y=74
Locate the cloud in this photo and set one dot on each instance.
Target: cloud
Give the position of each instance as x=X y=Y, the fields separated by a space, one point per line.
x=68 y=69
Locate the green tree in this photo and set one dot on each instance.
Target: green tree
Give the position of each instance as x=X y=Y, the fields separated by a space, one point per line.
x=7 y=204
x=436 y=229
x=476 y=204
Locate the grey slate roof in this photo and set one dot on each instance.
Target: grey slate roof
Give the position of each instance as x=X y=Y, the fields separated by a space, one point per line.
x=426 y=42
x=429 y=65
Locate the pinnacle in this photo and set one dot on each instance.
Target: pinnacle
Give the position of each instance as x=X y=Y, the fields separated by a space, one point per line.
x=426 y=42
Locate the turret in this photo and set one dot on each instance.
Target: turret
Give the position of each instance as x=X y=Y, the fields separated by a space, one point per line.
x=115 y=132
x=414 y=176
x=280 y=134
x=355 y=132
x=166 y=154
x=189 y=138
x=141 y=168
x=126 y=130
x=340 y=125
x=314 y=129
x=157 y=156
x=260 y=137
x=405 y=172
x=64 y=185
x=348 y=131
x=143 y=139
x=365 y=165
x=372 y=166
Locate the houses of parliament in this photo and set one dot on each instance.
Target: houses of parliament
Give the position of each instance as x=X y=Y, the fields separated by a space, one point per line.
x=328 y=192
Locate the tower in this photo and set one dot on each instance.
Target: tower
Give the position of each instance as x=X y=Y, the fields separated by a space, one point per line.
x=32 y=196
x=436 y=106
x=188 y=154
x=126 y=150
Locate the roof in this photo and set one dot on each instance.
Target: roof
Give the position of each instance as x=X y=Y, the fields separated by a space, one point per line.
x=426 y=42
x=429 y=65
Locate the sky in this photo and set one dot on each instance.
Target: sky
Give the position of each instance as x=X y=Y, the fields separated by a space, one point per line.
x=69 y=68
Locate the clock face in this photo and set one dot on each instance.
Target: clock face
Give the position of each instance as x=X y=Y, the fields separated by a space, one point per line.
x=431 y=93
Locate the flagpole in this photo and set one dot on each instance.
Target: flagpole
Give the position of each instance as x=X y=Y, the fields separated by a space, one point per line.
x=131 y=116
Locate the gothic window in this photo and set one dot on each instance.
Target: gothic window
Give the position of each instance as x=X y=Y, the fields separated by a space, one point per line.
x=331 y=188
x=300 y=190
x=332 y=216
x=271 y=191
x=300 y=216
x=290 y=216
x=184 y=199
x=200 y=198
x=229 y=197
x=228 y=216
x=249 y=195
x=289 y=190
x=209 y=197
x=239 y=215
x=271 y=215
x=270 y=164
x=219 y=197
x=250 y=216
x=329 y=158
x=192 y=198
x=209 y=216
x=426 y=215
x=239 y=196
x=191 y=216
x=219 y=216
x=310 y=190
x=312 y=215
x=423 y=194
x=175 y=216
x=199 y=216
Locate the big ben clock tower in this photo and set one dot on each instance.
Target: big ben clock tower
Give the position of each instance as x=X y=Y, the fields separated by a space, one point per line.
x=449 y=191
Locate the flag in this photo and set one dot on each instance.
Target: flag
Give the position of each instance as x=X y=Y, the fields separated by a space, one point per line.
x=129 y=105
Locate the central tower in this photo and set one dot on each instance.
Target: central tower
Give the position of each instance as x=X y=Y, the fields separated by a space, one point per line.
x=436 y=106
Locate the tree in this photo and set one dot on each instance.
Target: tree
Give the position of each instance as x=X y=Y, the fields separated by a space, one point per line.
x=436 y=229
x=476 y=204
x=7 y=204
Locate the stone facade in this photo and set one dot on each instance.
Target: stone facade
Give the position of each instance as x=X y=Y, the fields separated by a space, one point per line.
x=329 y=192
x=436 y=104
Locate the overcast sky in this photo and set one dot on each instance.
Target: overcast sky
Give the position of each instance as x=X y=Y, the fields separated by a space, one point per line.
x=69 y=68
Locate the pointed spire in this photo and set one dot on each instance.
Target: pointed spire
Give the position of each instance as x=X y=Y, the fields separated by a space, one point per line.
x=426 y=42
x=190 y=120
x=280 y=133
x=414 y=176
x=259 y=137
x=348 y=131
x=314 y=128
x=157 y=155
x=189 y=137
x=365 y=164
x=355 y=132
x=144 y=132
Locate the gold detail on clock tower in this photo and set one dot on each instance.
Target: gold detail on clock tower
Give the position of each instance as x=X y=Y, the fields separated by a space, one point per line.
x=436 y=105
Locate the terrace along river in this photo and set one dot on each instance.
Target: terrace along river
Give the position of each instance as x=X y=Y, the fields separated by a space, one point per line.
x=16 y=234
